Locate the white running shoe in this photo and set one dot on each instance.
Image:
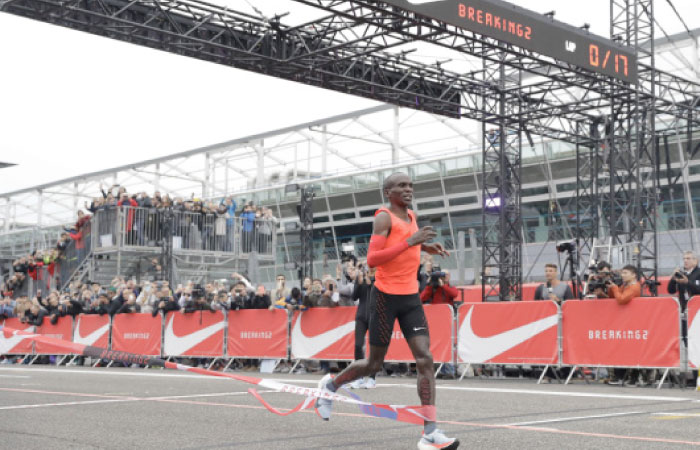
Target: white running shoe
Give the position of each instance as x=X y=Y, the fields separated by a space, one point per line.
x=437 y=440
x=358 y=384
x=324 y=406
x=370 y=383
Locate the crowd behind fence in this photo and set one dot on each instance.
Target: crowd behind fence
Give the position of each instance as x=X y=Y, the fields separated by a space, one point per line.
x=134 y=228
x=644 y=334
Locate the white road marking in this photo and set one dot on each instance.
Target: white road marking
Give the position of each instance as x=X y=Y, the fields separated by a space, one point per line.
x=15 y=376
x=677 y=414
x=119 y=400
x=135 y=373
x=554 y=393
x=571 y=419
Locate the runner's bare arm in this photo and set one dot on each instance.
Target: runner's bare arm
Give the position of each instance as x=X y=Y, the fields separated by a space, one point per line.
x=378 y=255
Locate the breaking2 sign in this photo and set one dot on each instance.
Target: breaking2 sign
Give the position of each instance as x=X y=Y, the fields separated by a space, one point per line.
x=527 y=29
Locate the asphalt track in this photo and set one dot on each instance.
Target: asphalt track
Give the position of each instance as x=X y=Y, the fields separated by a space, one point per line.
x=82 y=408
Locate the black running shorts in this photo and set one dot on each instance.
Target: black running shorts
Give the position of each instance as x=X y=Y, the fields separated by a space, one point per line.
x=386 y=308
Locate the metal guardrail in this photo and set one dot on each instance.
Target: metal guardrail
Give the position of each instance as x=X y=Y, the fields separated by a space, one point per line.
x=135 y=227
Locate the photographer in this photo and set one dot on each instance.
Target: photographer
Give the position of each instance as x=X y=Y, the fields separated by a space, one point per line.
x=129 y=305
x=221 y=301
x=597 y=278
x=194 y=299
x=164 y=300
x=34 y=315
x=629 y=289
x=345 y=277
x=239 y=296
x=314 y=295
x=260 y=300
x=686 y=282
x=100 y=305
x=438 y=289
x=553 y=289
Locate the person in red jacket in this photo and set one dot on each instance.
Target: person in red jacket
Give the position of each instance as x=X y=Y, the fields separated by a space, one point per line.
x=438 y=289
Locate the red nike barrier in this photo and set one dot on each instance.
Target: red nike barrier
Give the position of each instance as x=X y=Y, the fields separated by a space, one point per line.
x=16 y=345
x=91 y=329
x=642 y=333
x=324 y=333
x=408 y=414
x=257 y=333
x=137 y=333
x=508 y=333
x=440 y=324
x=63 y=330
x=694 y=332
x=200 y=333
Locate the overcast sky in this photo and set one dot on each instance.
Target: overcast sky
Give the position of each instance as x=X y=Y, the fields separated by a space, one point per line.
x=72 y=103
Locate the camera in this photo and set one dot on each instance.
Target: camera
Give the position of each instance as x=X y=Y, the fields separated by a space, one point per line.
x=197 y=291
x=566 y=247
x=435 y=276
x=678 y=275
x=602 y=280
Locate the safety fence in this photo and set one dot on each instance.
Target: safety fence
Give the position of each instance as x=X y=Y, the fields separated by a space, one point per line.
x=128 y=226
x=646 y=333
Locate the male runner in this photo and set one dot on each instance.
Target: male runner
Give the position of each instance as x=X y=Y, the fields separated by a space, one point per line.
x=395 y=249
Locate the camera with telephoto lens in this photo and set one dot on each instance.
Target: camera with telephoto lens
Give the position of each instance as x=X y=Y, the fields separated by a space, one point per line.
x=602 y=280
x=435 y=276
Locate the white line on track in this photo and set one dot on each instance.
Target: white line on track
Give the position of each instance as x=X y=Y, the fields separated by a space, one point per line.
x=15 y=376
x=573 y=419
x=134 y=373
x=121 y=399
x=555 y=393
x=677 y=414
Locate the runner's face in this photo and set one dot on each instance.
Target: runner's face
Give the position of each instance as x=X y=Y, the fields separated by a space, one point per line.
x=401 y=192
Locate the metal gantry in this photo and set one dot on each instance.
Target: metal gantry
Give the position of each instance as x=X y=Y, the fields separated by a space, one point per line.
x=360 y=48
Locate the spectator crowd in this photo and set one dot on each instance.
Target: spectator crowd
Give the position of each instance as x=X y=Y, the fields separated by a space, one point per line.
x=194 y=224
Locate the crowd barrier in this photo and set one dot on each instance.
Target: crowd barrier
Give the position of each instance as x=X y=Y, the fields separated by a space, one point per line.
x=508 y=333
x=594 y=333
x=643 y=333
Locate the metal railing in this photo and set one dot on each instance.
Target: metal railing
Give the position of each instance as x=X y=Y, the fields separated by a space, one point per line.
x=135 y=227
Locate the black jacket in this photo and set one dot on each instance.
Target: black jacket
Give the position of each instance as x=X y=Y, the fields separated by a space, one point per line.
x=361 y=293
x=255 y=302
x=686 y=291
x=35 y=319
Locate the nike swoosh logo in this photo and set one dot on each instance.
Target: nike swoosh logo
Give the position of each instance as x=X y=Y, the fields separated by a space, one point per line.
x=7 y=344
x=308 y=347
x=178 y=345
x=476 y=349
x=90 y=338
x=694 y=340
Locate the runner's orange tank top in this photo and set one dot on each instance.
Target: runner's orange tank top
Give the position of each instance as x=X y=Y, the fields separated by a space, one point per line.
x=400 y=275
